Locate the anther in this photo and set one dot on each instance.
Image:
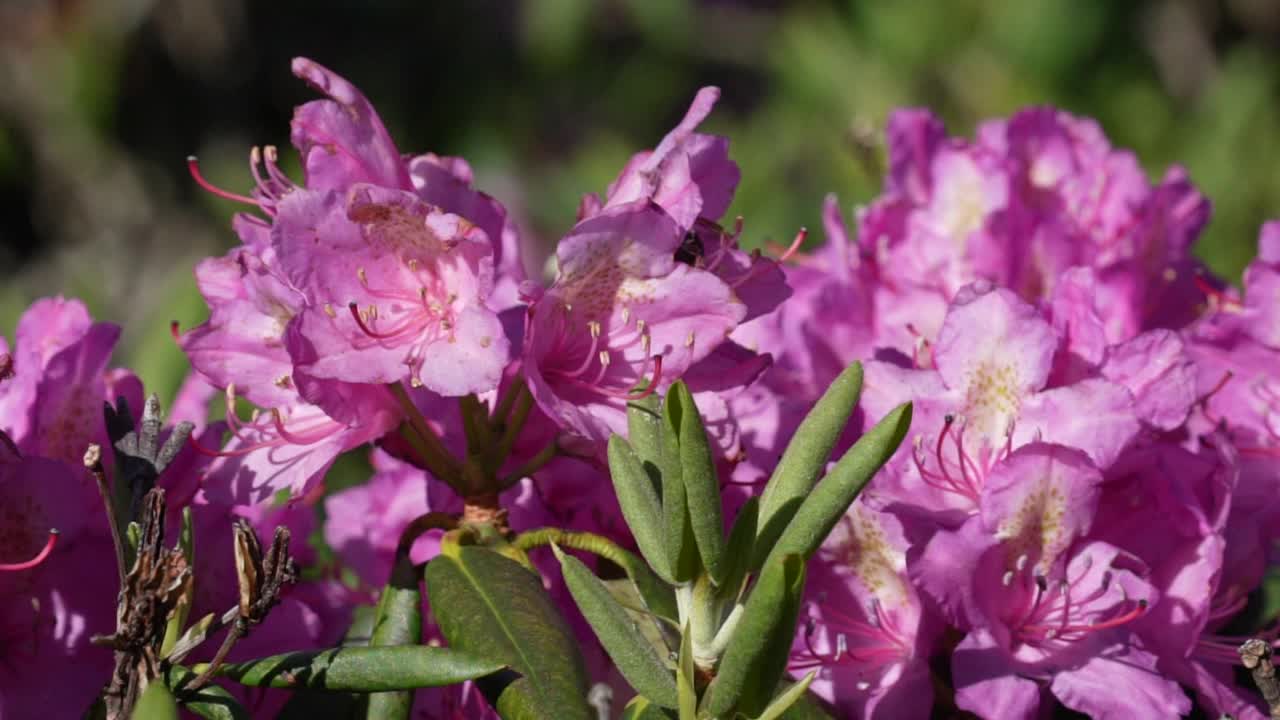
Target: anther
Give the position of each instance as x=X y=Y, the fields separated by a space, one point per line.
x=1007 y=579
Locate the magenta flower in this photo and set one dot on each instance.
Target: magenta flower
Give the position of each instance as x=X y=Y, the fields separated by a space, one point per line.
x=867 y=631
x=1066 y=631
x=392 y=259
x=621 y=312
x=689 y=175
x=986 y=398
x=1043 y=606
x=241 y=349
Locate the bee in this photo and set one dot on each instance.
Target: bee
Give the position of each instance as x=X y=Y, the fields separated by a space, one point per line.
x=691 y=249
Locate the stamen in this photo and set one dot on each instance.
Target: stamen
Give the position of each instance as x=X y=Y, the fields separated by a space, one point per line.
x=193 y=167
x=795 y=245
x=39 y=558
x=355 y=313
x=300 y=438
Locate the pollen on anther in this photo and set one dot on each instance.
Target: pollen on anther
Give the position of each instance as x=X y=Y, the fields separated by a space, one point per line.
x=604 y=358
x=328 y=310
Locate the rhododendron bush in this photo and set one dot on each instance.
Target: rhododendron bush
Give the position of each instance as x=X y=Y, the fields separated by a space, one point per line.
x=996 y=445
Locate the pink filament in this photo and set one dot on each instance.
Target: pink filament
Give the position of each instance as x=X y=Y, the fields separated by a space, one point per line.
x=193 y=167
x=39 y=558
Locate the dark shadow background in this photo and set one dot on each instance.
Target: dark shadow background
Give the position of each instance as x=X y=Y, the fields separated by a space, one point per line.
x=100 y=103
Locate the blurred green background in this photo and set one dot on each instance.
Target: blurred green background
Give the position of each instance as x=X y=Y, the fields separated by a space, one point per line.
x=100 y=103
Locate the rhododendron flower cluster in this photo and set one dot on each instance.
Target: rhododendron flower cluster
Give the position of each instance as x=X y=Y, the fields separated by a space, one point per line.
x=1082 y=509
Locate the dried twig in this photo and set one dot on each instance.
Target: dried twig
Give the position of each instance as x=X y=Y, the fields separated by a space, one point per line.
x=158 y=580
x=262 y=579
x=93 y=462
x=1256 y=656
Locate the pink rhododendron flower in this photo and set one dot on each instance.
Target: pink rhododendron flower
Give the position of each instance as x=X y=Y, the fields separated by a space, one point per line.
x=622 y=312
x=1043 y=606
x=986 y=398
x=241 y=348
x=688 y=174
x=394 y=284
x=866 y=629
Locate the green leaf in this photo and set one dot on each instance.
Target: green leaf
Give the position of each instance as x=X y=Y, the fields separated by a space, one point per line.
x=194 y=636
x=645 y=434
x=211 y=702
x=738 y=549
x=808 y=707
x=698 y=474
x=640 y=504
x=770 y=612
x=771 y=667
x=805 y=458
x=493 y=607
x=686 y=680
x=621 y=637
x=829 y=501
x=156 y=703
x=187 y=544
x=789 y=697
x=398 y=622
x=661 y=634
x=363 y=669
x=640 y=708
x=682 y=546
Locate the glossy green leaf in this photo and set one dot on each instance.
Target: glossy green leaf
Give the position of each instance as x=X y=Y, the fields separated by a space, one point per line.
x=686 y=680
x=211 y=702
x=765 y=616
x=495 y=608
x=397 y=622
x=805 y=458
x=621 y=637
x=640 y=504
x=781 y=704
x=363 y=669
x=829 y=501
x=156 y=703
x=698 y=474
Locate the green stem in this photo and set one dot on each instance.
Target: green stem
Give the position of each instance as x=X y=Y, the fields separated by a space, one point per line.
x=439 y=460
x=507 y=401
x=522 y=405
x=475 y=423
x=585 y=541
x=532 y=465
